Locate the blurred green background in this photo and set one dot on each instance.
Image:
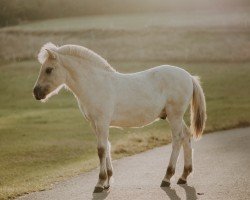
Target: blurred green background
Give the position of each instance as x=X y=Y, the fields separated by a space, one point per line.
x=43 y=143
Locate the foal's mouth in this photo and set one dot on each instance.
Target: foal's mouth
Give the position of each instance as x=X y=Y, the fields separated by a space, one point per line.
x=40 y=93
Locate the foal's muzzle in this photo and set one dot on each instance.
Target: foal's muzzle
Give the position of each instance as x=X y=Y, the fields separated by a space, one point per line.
x=39 y=92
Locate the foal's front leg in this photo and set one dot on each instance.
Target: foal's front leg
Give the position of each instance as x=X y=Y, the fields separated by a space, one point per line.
x=109 y=166
x=102 y=133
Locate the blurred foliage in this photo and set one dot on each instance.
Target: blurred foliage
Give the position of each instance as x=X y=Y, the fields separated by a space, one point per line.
x=19 y=11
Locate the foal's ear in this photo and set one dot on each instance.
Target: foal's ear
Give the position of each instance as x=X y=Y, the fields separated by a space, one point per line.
x=52 y=54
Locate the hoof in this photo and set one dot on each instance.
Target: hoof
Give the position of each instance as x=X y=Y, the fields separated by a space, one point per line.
x=181 y=181
x=106 y=187
x=98 y=190
x=165 y=184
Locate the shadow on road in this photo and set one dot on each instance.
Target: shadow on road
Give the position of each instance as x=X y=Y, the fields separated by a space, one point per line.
x=190 y=192
x=171 y=193
x=100 y=196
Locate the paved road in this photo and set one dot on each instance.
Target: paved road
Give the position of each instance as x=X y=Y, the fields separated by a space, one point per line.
x=222 y=171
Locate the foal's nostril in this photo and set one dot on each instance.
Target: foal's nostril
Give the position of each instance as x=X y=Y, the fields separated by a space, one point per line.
x=37 y=89
x=37 y=92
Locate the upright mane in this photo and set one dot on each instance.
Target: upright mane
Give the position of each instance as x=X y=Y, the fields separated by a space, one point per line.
x=74 y=50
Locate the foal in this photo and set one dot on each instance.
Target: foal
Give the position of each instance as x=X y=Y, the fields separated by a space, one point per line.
x=109 y=98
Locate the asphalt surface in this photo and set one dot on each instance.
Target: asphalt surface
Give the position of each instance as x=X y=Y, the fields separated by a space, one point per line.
x=221 y=171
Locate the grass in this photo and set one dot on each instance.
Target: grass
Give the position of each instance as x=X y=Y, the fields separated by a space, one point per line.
x=44 y=143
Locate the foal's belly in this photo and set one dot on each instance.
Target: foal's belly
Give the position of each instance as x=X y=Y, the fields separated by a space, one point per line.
x=135 y=117
x=132 y=122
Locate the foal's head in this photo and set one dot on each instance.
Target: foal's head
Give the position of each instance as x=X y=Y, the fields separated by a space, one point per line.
x=52 y=74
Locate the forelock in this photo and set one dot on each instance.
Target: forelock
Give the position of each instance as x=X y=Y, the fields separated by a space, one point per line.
x=43 y=54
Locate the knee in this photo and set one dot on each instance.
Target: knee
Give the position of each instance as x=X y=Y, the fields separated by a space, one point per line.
x=101 y=152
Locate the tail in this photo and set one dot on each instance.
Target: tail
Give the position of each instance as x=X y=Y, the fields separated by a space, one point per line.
x=198 y=109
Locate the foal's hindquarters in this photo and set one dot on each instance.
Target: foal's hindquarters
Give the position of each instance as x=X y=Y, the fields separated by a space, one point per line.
x=181 y=134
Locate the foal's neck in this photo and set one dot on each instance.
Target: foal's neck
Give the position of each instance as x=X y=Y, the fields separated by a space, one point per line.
x=83 y=74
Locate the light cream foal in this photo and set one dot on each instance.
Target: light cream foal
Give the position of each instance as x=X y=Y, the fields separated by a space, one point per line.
x=109 y=98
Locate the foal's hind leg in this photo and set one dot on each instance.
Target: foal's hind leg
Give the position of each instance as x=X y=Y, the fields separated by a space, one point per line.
x=177 y=135
x=187 y=149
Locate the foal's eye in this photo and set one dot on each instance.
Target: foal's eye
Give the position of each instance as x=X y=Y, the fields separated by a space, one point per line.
x=49 y=70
